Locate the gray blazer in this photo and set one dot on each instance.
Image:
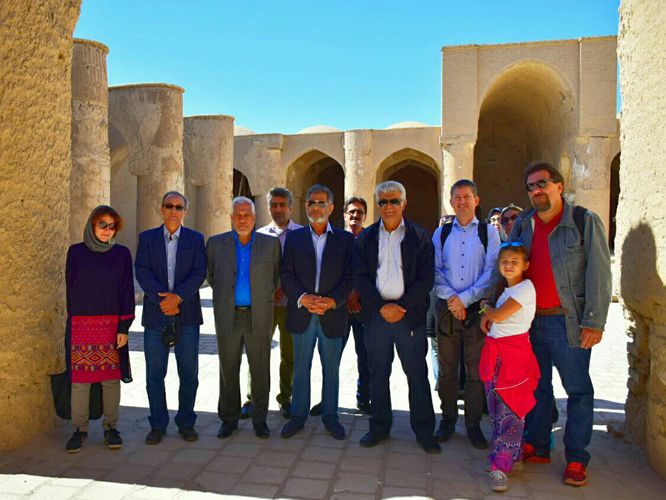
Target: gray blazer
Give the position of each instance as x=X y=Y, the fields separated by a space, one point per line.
x=264 y=280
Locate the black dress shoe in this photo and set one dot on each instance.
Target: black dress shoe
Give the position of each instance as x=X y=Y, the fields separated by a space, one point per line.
x=155 y=436
x=364 y=406
x=430 y=446
x=477 y=438
x=292 y=427
x=188 y=433
x=445 y=431
x=246 y=410
x=285 y=410
x=315 y=411
x=261 y=430
x=370 y=439
x=227 y=428
x=335 y=429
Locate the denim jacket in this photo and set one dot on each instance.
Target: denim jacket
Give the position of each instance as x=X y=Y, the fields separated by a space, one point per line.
x=582 y=274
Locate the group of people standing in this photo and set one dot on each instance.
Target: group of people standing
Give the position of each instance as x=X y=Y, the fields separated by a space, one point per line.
x=511 y=303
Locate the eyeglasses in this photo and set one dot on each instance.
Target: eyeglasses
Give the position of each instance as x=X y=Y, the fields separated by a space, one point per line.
x=541 y=183
x=318 y=204
x=171 y=206
x=393 y=201
x=355 y=211
x=508 y=244
x=102 y=224
x=495 y=218
x=510 y=218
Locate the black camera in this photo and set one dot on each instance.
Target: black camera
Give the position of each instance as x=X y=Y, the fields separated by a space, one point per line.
x=170 y=334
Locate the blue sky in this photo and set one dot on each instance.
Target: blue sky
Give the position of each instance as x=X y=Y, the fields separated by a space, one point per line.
x=280 y=66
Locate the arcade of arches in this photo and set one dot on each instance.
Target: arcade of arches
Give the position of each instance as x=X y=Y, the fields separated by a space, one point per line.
x=502 y=106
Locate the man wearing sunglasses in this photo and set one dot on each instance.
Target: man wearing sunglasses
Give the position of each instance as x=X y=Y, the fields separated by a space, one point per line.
x=316 y=275
x=463 y=268
x=170 y=267
x=393 y=273
x=572 y=277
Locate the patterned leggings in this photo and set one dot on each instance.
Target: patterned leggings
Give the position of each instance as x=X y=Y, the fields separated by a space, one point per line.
x=507 y=430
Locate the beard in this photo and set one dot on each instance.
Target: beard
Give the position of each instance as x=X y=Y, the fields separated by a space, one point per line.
x=541 y=204
x=317 y=220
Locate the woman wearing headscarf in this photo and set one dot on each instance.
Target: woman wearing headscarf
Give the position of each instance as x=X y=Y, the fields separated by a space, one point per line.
x=100 y=310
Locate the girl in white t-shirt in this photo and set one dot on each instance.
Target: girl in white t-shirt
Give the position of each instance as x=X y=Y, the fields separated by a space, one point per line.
x=508 y=367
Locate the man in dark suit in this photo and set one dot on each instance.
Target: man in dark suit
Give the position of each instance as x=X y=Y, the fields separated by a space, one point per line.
x=170 y=267
x=393 y=274
x=316 y=275
x=243 y=269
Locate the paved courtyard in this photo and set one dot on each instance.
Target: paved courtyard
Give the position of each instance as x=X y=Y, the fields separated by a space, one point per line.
x=312 y=464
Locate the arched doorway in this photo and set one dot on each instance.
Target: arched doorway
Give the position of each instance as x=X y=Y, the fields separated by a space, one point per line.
x=241 y=185
x=528 y=114
x=419 y=174
x=123 y=188
x=315 y=167
x=614 y=199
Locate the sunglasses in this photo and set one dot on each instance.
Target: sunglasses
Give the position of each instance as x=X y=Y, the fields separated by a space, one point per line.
x=510 y=218
x=393 y=201
x=318 y=204
x=541 y=183
x=508 y=244
x=102 y=224
x=171 y=206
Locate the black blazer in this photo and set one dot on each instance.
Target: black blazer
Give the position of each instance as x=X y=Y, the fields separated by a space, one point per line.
x=298 y=273
x=151 y=273
x=418 y=271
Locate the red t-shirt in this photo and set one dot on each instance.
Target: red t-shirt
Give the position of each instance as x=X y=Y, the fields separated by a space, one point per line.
x=541 y=268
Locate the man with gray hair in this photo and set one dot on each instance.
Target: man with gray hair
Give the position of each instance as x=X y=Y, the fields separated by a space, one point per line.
x=280 y=201
x=243 y=270
x=394 y=273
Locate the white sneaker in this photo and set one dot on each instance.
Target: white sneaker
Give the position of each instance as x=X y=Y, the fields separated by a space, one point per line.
x=498 y=480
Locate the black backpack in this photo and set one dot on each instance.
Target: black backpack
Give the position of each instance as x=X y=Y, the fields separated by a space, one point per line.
x=482 y=229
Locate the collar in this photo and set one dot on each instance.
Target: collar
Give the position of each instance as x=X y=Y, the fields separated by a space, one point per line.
x=274 y=228
x=383 y=229
x=237 y=241
x=329 y=229
x=170 y=236
x=474 y=222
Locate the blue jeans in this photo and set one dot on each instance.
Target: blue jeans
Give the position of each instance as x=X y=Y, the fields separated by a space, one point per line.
x=551 y=347
x=187 y=361
x=380 y=339
x=330 y=350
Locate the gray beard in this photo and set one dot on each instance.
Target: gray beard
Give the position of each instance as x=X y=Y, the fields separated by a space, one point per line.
x=318 y=220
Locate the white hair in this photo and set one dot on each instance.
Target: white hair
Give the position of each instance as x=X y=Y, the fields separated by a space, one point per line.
x=389 y=187
x=241 y=200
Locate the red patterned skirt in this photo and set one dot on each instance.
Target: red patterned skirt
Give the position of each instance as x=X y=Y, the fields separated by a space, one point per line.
x=93 y=349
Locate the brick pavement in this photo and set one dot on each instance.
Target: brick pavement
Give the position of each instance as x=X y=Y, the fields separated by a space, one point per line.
x=312 y=464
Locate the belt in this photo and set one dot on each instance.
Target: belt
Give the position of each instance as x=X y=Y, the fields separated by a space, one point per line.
x=551 y=311
x=243 y=308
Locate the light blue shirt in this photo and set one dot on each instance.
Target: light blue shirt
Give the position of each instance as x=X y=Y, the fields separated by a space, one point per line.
x=171 y=242
x=463 y=268
x=319 y=243
x=242 y=292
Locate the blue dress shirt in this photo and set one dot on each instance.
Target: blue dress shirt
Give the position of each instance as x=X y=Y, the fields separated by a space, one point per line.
x=463 y=268
x=242 y=293
x=171 y=242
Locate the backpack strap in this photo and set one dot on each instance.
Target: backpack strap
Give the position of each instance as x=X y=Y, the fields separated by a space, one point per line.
x=579 y=219
x=482 y=229
x=446 y=230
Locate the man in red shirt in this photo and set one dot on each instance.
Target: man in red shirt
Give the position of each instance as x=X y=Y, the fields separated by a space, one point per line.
x=570 y=269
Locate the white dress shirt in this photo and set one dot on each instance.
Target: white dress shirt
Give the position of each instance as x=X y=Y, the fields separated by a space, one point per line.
x=390 y=281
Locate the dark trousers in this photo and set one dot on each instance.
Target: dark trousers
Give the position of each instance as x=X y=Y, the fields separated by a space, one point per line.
x=363 y=381
x=471 y=339
x=286 y=357
x=380 y=339
x=187 y=361
x=550 y=344
x=230 y=350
